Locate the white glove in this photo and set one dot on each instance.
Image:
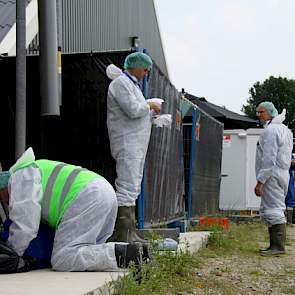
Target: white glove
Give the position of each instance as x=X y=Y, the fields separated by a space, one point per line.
x=158 y=101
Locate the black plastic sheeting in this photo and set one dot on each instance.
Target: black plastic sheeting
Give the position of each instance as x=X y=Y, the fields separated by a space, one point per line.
x=79 y=135
x=206 y=164
x=164 y=175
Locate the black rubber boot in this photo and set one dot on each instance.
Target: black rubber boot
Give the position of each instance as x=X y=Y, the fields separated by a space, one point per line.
x=288 y=214
x=270 y=241
x=278 y=235
x=293 y=216
x=125 y=229
x=127 y=254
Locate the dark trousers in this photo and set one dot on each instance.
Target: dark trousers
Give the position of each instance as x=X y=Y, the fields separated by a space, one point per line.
x=39 y=250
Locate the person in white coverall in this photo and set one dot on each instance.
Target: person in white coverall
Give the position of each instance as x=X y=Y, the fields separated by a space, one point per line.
x=129 y=128
x=273 y=156
x=80 y=205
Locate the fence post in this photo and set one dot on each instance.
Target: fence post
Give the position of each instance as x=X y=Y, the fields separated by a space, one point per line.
x=192 y=159
x=140 y=202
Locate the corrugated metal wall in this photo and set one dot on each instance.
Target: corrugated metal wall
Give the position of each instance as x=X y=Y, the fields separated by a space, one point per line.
x=103 y=25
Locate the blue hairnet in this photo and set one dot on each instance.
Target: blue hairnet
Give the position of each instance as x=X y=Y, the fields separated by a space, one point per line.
x=270 y=108
x=4 y=177
x=138 y=60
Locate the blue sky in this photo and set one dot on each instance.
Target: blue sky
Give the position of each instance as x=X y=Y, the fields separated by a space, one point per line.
x=219 y=48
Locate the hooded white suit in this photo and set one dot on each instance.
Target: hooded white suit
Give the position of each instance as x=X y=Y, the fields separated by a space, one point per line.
x=273 y=157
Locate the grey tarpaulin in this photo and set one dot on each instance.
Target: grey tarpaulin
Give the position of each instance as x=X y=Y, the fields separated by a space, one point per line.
x=203 y=155
x=79 y=135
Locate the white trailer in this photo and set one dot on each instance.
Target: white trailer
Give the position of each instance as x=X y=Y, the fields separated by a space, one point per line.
x=238 y=170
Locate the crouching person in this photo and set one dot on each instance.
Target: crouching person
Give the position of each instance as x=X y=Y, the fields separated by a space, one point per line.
x=77 y=205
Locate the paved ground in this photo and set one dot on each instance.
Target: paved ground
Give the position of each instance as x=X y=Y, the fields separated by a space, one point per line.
x=47 y=282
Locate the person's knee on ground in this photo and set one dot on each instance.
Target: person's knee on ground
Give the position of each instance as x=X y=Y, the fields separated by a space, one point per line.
x=75 y=259
x=85 y=258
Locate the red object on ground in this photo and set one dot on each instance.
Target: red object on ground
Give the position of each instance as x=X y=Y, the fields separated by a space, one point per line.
x=213 y=221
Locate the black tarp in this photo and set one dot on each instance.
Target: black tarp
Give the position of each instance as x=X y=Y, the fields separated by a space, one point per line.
x=204 y=156
x=164 y=175
x=79 y=135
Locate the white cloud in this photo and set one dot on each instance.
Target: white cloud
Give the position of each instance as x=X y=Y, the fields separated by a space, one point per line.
x=274 y=3
x=181 y=59
x=218 y=49
x=239 y=17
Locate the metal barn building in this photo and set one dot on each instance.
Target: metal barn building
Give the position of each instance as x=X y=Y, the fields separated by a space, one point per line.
x=89 y=25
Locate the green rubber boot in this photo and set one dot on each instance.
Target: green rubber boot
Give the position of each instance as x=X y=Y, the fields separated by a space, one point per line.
x=125 y=227
x=270 y=241
x=278 y=235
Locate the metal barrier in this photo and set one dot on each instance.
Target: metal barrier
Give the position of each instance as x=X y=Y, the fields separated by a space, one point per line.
x=164 y=174
x=203 y=155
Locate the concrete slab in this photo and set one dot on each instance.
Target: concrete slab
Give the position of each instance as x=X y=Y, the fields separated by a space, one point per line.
x=47 y=282
x=172 y=233
x=193 y=241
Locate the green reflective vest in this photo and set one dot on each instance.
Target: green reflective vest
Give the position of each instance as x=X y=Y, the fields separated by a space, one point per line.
x=61 y=183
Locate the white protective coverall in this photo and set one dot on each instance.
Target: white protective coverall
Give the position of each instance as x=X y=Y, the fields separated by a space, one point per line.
x=129 y=127
x=273 y=154
x=79 y=243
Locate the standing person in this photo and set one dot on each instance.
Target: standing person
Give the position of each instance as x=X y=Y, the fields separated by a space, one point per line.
x=273 y=155
x=290 y=198
x=78 y=205
x=129 y=128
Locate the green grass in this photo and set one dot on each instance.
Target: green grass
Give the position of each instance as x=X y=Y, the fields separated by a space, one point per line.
x=289 y=290
x=174 y=274
x=170 y=273
x=241 y=239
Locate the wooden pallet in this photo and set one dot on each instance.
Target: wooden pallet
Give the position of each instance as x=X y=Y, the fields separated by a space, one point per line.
x=248 y=212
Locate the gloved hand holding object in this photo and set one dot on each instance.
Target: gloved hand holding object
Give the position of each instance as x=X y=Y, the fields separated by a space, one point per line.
x=159 y=120
x=157 y=104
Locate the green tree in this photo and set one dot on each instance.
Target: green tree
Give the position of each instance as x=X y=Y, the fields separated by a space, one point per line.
x=280 y=91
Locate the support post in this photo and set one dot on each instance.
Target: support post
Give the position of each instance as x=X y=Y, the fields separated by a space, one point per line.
x=191 y=166
x=140 y=202
x=59 y=46
x=20 y=95
x=48 y=57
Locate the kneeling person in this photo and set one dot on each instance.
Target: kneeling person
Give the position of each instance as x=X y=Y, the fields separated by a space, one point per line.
x=78 y=204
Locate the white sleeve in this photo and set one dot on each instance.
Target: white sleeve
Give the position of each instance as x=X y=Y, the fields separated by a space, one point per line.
x=25 y=191
x=270 y=150
x=132 y=105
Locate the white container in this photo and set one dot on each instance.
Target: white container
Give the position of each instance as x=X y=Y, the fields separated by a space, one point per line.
x=238 y=170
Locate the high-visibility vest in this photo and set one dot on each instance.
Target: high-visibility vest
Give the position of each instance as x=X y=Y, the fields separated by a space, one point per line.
x=61 y=183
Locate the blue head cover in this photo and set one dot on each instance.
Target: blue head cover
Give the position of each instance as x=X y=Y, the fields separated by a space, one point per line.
x=270 y=108
x=138 y=60
x=4 y=177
